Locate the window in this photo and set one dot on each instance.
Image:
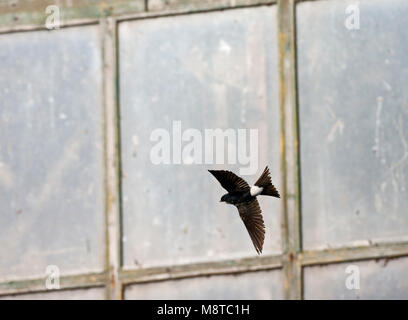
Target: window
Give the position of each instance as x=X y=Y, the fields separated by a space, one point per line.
x=79 y=191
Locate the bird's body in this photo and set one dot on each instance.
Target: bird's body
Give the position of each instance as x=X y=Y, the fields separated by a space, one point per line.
x=237 y=197
x=241 y=195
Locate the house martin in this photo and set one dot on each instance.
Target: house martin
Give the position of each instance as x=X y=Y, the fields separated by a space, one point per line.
x=243 y=196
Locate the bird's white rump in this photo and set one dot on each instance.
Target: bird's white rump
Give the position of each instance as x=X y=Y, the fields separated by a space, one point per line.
x=256 y=191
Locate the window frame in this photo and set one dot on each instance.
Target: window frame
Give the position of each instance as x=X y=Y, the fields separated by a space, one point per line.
x=114 y=278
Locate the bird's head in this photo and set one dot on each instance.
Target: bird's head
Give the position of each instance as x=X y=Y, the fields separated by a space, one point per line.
x=224 y=198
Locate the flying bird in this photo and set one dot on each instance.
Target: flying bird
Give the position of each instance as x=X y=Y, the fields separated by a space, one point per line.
x=241 y=195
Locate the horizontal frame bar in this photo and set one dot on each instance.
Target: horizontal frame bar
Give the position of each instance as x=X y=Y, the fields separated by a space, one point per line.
x=233 y=266
x=200 y=269
x=76 y=281
x=31 y=17
x=346 y=254
x=34 y=13
x=199 y=7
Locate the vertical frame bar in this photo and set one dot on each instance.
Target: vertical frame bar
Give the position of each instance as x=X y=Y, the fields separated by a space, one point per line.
x=112 y=158
x=289 y=149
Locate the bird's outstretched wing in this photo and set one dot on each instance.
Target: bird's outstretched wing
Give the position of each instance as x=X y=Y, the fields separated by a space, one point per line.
x=250 y=213
x=229 y=180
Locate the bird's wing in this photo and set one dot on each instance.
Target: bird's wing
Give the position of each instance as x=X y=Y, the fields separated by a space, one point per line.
x=229 y=180
x=250 y=213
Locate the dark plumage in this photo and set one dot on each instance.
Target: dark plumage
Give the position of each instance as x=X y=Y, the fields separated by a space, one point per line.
x=241 y=195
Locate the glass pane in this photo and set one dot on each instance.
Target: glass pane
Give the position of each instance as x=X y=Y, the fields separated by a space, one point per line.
x=204 y=71
x=380 y=279
x=51 y=152
x=256 y=285
x=82 y=294
x=353 y=122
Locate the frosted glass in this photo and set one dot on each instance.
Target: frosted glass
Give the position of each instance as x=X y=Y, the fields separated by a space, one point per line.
x=380 y=279
x=353 y=122
x=51 y=152
x=262 y=285
x=208 y=71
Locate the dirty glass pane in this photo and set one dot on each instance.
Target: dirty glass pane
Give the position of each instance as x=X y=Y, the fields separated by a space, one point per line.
x=51 y=152
x=204 y=71
x=257 y=286
x=82 y=294
x=376 y=279
x=353 y=121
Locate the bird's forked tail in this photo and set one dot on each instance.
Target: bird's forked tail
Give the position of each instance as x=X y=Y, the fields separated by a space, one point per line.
x=265 y=182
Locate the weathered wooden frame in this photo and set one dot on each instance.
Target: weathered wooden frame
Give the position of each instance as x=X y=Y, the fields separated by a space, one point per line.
x=31 y=15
